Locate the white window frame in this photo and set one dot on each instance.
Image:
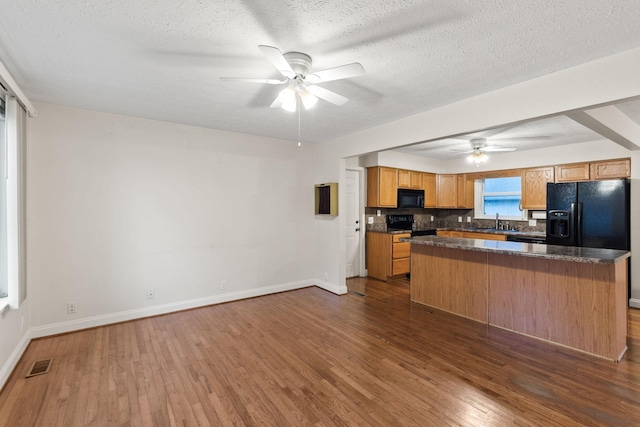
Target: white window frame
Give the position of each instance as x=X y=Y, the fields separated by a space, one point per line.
x=479 y=195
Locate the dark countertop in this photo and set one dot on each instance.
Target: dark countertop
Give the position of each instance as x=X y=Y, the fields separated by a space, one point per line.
x=541 y=234
x=561 y=253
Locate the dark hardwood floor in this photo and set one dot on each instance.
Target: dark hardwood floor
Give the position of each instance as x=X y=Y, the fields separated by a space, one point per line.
x=309 y=357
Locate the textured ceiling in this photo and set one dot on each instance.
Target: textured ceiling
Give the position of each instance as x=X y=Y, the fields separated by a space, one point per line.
x=163 y=60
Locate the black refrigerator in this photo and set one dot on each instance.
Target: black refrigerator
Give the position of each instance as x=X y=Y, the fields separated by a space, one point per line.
x=592 y=214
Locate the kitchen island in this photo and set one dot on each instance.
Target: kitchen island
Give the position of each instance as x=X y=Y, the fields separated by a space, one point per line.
x=575 y=297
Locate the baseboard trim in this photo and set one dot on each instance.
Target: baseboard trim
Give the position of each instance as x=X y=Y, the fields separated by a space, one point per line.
x=338 y=290
x=634 y=302
x=123 y=316
x=17 y=353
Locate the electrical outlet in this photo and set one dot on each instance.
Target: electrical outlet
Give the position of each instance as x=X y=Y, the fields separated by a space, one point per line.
x=151 y=294
x=459 y=219
x=71 y=308
x=532 y=223
x=379 y=212
x=370 y=220
x=431 y=218
x=468 y=219
x=223 y=284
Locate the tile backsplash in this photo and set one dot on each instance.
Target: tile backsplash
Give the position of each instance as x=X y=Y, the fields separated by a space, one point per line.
x=442 y=218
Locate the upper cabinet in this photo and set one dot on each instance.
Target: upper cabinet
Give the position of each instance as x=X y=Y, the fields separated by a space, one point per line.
x=611 y=169
x=465 y=191
x=573 y=172
x=446 y=191
x=382 y=187
x=534 y=187
x=429 y=187
x=409 y=179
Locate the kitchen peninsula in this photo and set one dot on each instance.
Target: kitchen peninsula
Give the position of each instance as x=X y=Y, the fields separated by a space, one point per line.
x=572 y=296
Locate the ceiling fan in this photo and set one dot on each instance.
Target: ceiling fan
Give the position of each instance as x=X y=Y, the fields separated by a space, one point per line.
x=295 y=67
x=479 y=148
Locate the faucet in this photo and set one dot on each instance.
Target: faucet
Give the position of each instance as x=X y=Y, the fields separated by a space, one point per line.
x=497 y=216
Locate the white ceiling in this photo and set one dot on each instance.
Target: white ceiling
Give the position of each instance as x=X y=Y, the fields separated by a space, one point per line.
x=163 y=60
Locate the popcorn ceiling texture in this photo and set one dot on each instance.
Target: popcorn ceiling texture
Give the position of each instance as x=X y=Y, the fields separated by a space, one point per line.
x=163 y=60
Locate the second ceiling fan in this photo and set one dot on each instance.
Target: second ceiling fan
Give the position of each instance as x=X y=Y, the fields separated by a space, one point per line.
x=295 y=68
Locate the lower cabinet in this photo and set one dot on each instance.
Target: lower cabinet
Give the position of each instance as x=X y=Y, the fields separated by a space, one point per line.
x=471 y=235
x=387 y=256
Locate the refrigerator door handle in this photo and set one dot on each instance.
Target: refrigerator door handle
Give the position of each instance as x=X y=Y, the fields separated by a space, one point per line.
x=578 y=229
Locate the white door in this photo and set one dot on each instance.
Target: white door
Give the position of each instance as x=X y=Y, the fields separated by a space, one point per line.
x=353 y=223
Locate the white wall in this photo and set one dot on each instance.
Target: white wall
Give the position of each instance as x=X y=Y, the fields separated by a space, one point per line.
x=14 y=338
x=118 y=205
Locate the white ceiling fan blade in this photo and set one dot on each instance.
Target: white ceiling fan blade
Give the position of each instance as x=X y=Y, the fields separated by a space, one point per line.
x=496 y=148
x=327 y=95
x=337 y=73
x=276 y=57
x=276 y=103
x=265 y=81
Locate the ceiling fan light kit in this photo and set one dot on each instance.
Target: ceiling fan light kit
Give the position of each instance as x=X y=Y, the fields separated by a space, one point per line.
x=477 y=157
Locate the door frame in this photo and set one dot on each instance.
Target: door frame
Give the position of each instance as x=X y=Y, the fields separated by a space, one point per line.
x=363 y=226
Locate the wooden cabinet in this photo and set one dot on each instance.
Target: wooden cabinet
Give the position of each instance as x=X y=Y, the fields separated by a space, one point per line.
x=454 y=191
x=382 y=187
x=409 y=179
x=446 y=191
x=429 y=187
x=485 y=236
x=471 y=235
x=464 y=191
x=611 y=169
x=572 y=172
x=387 y=255
x=534 y=187
x=449 y=233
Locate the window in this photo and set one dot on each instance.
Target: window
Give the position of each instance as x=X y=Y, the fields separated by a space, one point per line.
x=12 y=218
x=501 y=196
x=4 y=289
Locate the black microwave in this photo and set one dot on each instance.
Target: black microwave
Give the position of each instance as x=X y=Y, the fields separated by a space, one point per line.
x=410 y=198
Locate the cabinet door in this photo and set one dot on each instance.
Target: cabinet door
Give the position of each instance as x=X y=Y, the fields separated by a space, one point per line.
x=465 y=191
x=534 y=187
x=611 y=169
x=404 y=178
x=571 y=173
x=409 y=179
x=447 y=191
x=379 y=255
x=429 y=187
x=382 y=187
x=485 y=236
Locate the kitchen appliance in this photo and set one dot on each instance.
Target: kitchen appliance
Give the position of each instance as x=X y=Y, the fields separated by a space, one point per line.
x=591 y=213
x=405 y=223
x=410 y=198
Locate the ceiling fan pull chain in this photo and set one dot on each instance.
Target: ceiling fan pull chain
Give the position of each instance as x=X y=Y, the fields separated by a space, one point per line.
x=299 y=142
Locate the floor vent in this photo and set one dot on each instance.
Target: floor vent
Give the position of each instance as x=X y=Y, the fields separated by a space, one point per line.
x=39 y=367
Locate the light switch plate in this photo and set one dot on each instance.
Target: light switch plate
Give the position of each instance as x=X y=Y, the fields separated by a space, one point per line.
x=468 y=219
x=370 y=220
x=459 y=219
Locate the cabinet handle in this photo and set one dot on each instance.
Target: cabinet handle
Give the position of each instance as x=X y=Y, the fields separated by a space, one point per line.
x=520 y=206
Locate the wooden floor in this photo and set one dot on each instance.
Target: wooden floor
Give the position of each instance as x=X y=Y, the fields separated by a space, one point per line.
x=309 y=357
